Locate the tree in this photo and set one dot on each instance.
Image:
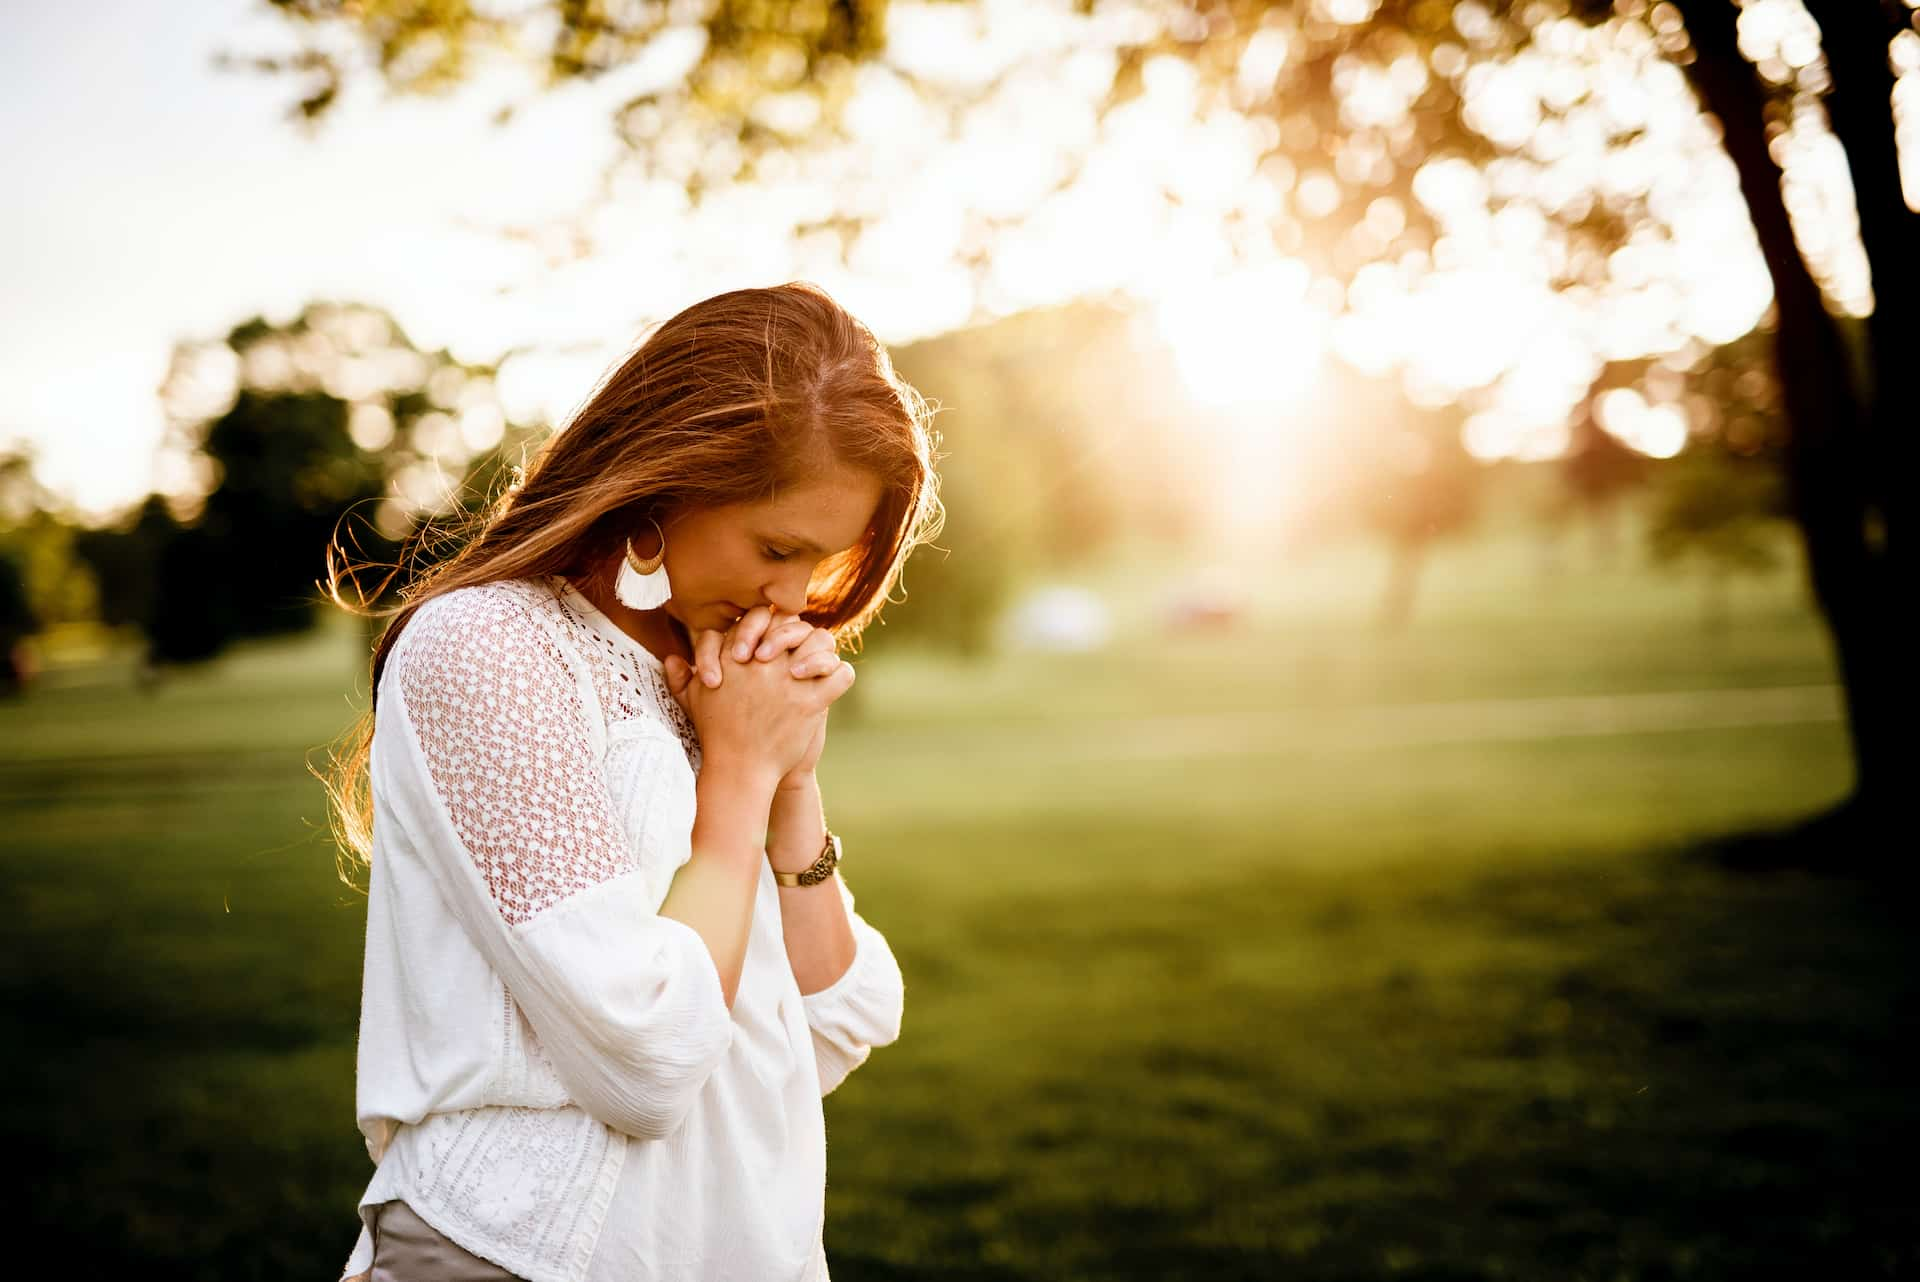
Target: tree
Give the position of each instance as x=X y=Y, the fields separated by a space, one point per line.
x=1846 y=451
x=17 y=623
x=331 y=426
x=125 y=561
x=1722 y=503
x=38 y=536
x=1722 y=510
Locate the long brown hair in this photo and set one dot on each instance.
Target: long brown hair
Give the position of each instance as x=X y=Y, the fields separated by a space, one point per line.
x=735 y=399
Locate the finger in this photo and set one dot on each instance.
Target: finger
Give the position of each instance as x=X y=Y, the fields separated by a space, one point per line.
x=706 y=656
x=748 y=629
x=783 y=637
x=813 y=660
x=818 y=642
x=677 y=674
x=838 y=681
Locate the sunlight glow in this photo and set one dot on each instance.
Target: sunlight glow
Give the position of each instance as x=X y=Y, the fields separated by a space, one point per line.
x=1659 y=430
x=1249 y=340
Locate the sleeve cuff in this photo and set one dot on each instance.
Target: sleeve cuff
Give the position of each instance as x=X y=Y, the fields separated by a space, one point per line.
x=863 y=1006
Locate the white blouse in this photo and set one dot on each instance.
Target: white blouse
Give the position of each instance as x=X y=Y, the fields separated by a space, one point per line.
x=548 y=1072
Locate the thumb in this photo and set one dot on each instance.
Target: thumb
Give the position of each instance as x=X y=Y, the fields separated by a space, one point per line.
x=678 y=673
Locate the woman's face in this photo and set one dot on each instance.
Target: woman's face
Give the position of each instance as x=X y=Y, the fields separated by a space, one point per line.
x=723 y=561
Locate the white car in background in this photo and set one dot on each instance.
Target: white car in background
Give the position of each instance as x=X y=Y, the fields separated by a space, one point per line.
x=1060 y=619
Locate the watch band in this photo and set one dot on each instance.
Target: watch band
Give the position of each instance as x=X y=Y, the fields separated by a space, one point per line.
x=816 y=872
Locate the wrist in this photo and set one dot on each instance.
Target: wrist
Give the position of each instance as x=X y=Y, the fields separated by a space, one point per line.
x=794 y=864
x=793 y=849
x=796 y=827
x=740 y=778
x=819 y=869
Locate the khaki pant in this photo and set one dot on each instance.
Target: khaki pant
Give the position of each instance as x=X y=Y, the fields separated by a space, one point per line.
x=408 y=1249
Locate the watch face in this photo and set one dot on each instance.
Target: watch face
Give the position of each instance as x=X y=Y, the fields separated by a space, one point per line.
x=823 y=866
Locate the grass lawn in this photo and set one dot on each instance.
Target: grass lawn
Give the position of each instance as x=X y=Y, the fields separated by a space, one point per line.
x=1297 y=951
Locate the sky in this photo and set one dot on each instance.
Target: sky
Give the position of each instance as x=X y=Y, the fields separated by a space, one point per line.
x=159 y=200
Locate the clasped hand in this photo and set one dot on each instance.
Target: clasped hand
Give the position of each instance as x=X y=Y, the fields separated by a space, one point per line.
x=744 y=700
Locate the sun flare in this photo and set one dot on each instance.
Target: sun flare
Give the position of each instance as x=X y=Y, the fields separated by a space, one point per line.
x=1249 y=341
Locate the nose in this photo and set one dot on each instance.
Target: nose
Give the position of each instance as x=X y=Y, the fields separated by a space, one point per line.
x=788 y=594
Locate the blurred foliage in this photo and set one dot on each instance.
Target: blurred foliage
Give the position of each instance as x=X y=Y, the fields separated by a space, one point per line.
x=1595 y=480
x=1724 y=503
x=287 y=471
x=52 y=585
x=1598 y=468
x=1721 y=508
x=767 y=78
x=1295 y=72
x=281 y=439
x=1059 y=437
x=771 y=82
x=17 y=616
x=54 y=581
x=125 y=560
x=17 y=622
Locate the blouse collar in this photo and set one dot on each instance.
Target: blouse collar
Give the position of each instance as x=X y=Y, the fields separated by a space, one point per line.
x=605 y=628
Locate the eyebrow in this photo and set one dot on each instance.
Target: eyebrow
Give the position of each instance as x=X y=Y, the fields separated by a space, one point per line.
x=785 y=536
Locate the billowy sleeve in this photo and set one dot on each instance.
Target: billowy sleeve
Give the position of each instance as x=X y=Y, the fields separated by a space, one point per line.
x=861 y=1009
x=360 y=1259
x=483 y=751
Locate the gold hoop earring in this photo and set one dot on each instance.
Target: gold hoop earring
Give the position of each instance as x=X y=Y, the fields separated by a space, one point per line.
x=643 y=585
x=653 y=563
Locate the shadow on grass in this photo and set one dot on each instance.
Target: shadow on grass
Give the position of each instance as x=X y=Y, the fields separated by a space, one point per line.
x=1848 y=840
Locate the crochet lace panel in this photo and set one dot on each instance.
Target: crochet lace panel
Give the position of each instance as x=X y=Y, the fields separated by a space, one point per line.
x=470 y=1159
x=628 y=688
x=501 y=723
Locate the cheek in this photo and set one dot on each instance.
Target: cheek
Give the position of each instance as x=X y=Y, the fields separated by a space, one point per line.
x=710 y=577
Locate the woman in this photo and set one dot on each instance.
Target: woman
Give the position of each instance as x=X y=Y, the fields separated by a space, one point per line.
x=611 y=968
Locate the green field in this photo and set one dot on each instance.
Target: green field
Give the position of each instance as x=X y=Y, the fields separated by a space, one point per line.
x=1296 y=951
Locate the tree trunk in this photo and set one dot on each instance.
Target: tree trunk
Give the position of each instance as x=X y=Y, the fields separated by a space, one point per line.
x=1854 y=35
x=1827 y=457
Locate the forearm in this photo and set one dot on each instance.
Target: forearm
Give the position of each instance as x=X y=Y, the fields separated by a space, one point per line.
x=713 y=892
x=819 y=936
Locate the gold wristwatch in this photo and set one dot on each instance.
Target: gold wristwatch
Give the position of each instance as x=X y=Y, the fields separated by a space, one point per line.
x=819 y=870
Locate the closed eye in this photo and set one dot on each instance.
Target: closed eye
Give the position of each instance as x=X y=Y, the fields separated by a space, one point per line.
x=773 y=555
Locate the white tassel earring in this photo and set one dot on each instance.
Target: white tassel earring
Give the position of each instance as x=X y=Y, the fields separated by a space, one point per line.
x=643 y=585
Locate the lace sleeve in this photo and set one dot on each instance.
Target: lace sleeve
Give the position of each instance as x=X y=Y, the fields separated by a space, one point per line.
x=498 y=717
x=484 y=748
